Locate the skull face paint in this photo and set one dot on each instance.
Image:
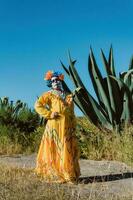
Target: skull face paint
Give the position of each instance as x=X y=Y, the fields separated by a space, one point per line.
x=56 y=83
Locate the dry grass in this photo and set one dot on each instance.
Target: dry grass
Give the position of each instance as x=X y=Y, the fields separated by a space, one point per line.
x=98 y=144
x=20 y=184
x=9 y=147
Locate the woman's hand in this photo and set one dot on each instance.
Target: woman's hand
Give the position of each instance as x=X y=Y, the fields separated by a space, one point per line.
x=54 y=115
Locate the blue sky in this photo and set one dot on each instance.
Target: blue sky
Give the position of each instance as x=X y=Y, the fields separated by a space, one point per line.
x=36 y=34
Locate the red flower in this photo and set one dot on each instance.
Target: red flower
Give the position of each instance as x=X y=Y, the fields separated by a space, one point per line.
x=48 y=75
x=61 y=77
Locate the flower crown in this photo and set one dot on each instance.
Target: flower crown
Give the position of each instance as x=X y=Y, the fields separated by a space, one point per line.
x=51 y=74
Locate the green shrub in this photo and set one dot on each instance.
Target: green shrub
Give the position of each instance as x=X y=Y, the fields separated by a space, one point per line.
x=18 y=115
x=94 y=144
x=12 y=140
x=98 y=144
x=8 y=144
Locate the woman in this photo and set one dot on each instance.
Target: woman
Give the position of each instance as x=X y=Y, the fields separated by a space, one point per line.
x=58 y=152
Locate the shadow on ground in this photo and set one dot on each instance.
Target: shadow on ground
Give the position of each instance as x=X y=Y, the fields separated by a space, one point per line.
x=105 y=178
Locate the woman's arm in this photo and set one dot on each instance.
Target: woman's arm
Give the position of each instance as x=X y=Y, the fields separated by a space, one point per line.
x=41 y=106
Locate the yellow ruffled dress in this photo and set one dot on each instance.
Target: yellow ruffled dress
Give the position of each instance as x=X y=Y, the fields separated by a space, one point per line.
x=58 y=153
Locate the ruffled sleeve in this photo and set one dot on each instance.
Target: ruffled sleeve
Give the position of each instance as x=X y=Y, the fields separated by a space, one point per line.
x=42 y=105
x=70 y=103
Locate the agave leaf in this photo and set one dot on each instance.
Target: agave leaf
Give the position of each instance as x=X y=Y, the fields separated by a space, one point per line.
x=73 y=77
x=66 y=70
x=107 y=67
x=111 y=61
x=116 y=97
x=127 y=77
x=65 y=87
x=78 y=101
x=131 y=86
x=98 y=82
x=114 y=92
x=127 y=101
x=85 y=106
x=75 y=73
x=96 y=88
x=127 y=107
x=92 y=109
x=78 y=104
x=120 y=82
x=131 y=63
x=103 y=81
x=70 y=73
x=121 y=75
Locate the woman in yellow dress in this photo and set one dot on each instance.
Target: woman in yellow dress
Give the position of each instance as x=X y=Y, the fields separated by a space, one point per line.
x=58 y=153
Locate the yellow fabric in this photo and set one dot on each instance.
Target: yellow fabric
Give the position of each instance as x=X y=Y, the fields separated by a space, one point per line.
x=58 y=152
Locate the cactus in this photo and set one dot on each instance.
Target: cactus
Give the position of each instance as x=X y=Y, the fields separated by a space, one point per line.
x=115 y=94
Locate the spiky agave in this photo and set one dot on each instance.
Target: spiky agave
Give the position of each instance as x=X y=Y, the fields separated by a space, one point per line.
x=114 y=104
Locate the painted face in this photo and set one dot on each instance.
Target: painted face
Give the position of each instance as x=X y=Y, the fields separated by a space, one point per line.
x=56 y=83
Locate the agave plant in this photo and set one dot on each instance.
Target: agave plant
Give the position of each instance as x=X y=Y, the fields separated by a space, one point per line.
x=114 y=104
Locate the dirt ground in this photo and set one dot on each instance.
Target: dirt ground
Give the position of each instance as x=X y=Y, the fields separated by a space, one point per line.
x=101 y=178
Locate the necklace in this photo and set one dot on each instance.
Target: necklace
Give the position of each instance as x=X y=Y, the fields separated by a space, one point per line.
x=59 y=93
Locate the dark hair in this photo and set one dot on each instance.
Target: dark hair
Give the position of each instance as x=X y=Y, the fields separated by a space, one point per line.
x=49 y=83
